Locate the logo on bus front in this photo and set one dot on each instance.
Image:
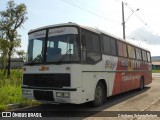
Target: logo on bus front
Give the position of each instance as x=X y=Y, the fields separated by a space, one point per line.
x=44 y=68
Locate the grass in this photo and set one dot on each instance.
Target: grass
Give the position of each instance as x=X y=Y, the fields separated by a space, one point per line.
x=155 y=71
x=11 y=92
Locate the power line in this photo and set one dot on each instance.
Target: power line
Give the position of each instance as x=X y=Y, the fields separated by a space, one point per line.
x=71 y=2
x=85 y=7
x=138 y=16
x=88 y=6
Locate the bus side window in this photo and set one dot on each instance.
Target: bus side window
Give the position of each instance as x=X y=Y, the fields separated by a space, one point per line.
x=131 y=52
x=106 y=45
x=83 y=37
x=109 y=45
x=91 y=47
x=138 y=54
x=113 y=47
x=144 y=55
x=149 y=57
x=122 y=49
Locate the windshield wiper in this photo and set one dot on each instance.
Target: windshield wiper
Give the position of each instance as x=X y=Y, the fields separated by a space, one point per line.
x=39 y=57
x=68 y=51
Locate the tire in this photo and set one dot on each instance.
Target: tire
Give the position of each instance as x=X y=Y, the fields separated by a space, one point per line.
x=99 y=96
x=141 y=84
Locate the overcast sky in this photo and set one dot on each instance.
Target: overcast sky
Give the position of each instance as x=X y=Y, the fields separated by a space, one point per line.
x=102 y=14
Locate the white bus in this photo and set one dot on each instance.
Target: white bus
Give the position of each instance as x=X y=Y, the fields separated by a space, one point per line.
x=69 y=63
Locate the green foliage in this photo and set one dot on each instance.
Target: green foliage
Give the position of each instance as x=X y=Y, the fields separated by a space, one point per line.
x=10 y=20
x=11 y=92
x=155 y=71
x=21 y=54
x=3 y=51
x=3 y=107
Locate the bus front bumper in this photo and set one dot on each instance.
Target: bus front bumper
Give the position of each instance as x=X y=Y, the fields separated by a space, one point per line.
x=54 y=95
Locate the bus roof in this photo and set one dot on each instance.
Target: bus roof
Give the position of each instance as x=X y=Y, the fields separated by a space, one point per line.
x=85 y=27
x=55 y=25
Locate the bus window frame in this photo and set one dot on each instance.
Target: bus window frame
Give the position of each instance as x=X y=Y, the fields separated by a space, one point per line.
x=146 y=56
x=82 y=46
x=134 y=51
x=102 y=45
x=126 y=49
x=140 y=53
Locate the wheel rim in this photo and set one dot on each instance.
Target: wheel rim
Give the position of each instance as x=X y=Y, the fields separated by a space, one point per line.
x=99 y=94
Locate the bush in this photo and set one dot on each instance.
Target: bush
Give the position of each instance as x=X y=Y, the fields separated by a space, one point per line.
x=155 y=71
x=11 y=92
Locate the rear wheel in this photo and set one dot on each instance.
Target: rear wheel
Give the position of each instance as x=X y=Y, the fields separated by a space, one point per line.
x=99 y=96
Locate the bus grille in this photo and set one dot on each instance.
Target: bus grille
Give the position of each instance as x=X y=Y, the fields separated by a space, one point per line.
x=43 y=95
x=47 y=80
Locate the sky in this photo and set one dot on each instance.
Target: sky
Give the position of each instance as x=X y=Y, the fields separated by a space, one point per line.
x=102 y=14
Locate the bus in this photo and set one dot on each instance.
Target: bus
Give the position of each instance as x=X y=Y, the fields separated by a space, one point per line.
x=70 y=63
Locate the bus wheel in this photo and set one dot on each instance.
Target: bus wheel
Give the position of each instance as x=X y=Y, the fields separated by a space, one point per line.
x=141 y=84
x=99 y=96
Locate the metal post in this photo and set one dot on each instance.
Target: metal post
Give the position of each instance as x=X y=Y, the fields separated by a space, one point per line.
x=123 y=22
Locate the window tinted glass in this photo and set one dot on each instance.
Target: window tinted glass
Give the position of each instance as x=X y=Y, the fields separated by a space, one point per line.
x=109 y=45
x=131 y=51
x=95 y=43
x=106 y=45
x=122 y=49
x=144 y=55
x=149 y=56
x=91 y=45
x=113 y=47
x=92 y=57
x=138 y=54
x=88 y=41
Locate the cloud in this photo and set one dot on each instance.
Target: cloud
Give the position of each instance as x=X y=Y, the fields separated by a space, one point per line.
x=145 y=35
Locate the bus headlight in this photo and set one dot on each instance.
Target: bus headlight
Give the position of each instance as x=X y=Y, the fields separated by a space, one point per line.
x=59 y=94
x=26 y=92
x=63 y=94
x=67 y=95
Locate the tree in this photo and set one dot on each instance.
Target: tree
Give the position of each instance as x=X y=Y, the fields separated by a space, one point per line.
x=21 y=54
x=3 y=52
x=12 y=19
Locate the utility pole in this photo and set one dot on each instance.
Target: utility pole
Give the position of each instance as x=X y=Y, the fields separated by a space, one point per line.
x=123 y=22
x=123 y=19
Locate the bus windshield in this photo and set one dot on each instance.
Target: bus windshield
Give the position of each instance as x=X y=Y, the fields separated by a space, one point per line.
x=61 y=45
x=62 y=48
x=36 y=47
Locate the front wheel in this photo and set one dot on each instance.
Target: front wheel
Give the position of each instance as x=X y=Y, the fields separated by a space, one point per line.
x=99 y=96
